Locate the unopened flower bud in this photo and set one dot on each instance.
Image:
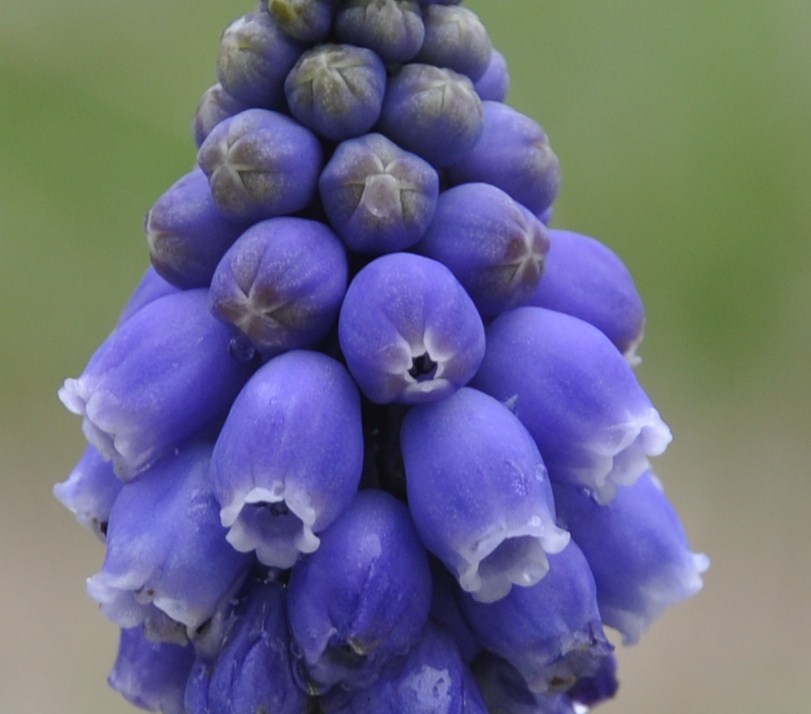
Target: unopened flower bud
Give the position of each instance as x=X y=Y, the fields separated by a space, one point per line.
x=261 y=164
x=281 y=284
x=433 y=112
x=513 y=153
x=378 y=197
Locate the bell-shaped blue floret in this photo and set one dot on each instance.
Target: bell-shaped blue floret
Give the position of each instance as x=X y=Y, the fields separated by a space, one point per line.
x=586 y=279
x=494 y=246
x=362 y=598
x=151 y=675
x=392 y=28
x=289 y=457
x=479 y=493
x=261 y=164
x=432 y=111
x=409 y=331
x=89 y=491
x=166 y=548
x=161 y=376
x=281 y=284
x=337 y=90
x=377 y=197
x=254 y=59
x=513 y=153
x=637 y=550
x=431 y=679
x=550 y=632
x=576 y=395
x=253 y=672
x=187 y=234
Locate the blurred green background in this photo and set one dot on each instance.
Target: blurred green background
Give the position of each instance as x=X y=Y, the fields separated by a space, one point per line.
x=683 y=130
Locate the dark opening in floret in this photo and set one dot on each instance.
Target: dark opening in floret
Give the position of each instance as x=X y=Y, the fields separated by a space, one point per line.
x=423 y=367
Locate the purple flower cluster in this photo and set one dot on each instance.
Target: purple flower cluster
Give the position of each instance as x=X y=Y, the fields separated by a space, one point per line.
x=367 y=437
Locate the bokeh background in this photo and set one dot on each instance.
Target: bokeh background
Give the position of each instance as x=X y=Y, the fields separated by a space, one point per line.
x=683 y=130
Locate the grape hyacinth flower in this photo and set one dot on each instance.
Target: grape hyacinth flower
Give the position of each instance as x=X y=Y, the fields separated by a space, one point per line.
x=288 y=459
x=151 y=675
x=281 y=284
x=166 y=549
x=494 y=246
x=362 y=598
x=499 y=533
x=252 y=673
x=377 y=197
x=576 y=395
x=366 y=437
x=409 y=331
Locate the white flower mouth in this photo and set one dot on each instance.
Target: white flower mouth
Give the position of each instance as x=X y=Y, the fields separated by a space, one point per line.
x=275 y=525
x=620 y=454
x=421 y=366
x=511 y=557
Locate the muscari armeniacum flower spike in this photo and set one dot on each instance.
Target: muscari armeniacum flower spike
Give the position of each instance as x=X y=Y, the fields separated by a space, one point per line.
x=479 y=493
x=289 y=457
x=378 y=197
x=336 y=90
x=494 y=246
x=252 y=673
x=187 y=234
x=261 y=164
x=89 y=491
x=551 y=631
x=431 y=679
x=576 y=395
x=637 y=550
x=362 y=598
x=432 y=111
x=254 y=59
x=409 y=331
x=281 y=284
x=586 y=279
x=160 y=377
x=151 y=675
x=513 y=153
x=166 y=548
x=392 y=28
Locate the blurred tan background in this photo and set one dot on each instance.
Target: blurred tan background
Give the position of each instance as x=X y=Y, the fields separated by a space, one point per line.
x=683 y=130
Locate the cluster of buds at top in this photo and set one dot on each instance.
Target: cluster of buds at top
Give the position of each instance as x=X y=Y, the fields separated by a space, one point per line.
x=367 y=437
